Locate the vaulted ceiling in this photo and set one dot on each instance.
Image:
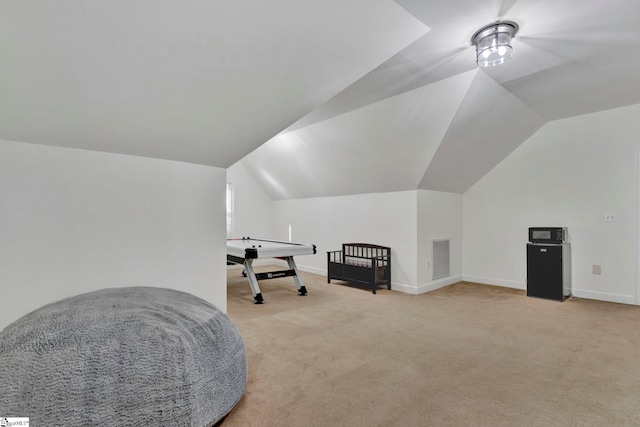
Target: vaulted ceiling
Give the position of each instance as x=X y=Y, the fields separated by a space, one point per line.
x=315 y=98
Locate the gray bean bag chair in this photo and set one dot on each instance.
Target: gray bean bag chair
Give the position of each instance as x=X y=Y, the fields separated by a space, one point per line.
x=136 y=356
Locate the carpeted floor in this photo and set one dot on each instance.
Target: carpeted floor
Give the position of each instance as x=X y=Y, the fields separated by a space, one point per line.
x=465 y=355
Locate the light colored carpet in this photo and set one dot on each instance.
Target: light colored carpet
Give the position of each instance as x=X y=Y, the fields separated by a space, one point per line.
x=135 y=356
x=465 y=355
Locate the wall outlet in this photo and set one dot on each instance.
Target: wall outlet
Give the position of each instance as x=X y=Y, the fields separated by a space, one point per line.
x=610 y=216
x=596 y=269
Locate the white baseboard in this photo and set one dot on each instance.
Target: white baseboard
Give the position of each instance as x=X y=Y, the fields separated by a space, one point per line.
x=305 y=268
x=406 y=289
x=427 y=287
x=437 y=284
x=579 y=293
x=604 y=296
x=400 y=287
x=323 y=272
x=312 y=270
x=495 y=282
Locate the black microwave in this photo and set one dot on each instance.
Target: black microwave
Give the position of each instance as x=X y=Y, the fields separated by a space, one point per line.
x=554 y=235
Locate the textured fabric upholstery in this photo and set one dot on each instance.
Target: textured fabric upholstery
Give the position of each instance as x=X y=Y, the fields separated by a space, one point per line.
x=137 y=356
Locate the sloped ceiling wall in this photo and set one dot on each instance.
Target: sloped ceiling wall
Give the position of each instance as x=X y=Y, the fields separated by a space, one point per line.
x=570 y=57
x=348 y=96
x=196 y=81
x=477 y=139
x=382 y=147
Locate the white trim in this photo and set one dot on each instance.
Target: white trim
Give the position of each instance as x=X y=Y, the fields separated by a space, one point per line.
x=394 y=286
x=437 y=284
x=307 y=269
x=400 y=287
x=579 y=293
x=427 y=287
x=405 y=289
x=313 y=270
x=604 y=296
x=495 y=282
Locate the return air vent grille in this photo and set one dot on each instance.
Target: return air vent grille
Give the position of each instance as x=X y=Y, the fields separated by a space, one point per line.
x=440 y=258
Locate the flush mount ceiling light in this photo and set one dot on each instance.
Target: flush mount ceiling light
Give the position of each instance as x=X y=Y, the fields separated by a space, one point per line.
x=493 y=43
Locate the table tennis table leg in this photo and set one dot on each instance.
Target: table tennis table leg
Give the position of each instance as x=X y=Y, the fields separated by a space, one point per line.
x=302 y=291
x=253 y=282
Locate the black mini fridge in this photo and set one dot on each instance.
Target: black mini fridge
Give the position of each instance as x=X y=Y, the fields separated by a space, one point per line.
x=548 y=268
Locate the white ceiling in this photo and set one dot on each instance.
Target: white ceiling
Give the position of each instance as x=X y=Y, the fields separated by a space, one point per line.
x=315 y=98
x=192 y=80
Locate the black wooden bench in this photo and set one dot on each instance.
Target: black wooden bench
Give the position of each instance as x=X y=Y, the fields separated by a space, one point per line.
x=361 y=263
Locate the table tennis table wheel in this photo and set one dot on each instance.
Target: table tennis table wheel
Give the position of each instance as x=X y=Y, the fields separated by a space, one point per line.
x=302 y=291
x=258 y=298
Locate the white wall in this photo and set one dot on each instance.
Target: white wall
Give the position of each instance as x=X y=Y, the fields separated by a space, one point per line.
x=73 y=221
x=387 y=219
x=569 y=174
x=439 y=217
x=253 y=216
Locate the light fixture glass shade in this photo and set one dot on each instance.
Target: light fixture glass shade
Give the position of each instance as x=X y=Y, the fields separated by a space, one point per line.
x=493 y=43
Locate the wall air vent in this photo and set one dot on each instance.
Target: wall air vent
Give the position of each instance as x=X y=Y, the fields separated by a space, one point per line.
x=440 y=258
